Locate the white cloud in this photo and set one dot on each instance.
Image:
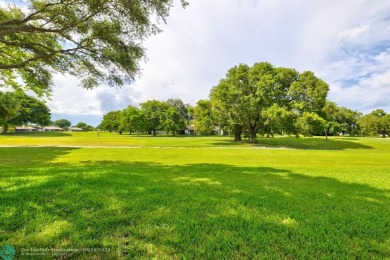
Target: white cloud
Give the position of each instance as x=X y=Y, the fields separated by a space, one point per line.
x=69 y=98
x=367 y=95
x=353 y=33
x=200 y=43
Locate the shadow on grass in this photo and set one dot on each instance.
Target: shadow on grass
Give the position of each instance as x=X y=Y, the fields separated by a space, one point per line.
x=149 y=210
x=301 y=143
x=31 y=156
x=39 y=134
x=183 y=136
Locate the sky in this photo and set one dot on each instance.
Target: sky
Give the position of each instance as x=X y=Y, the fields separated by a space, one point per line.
x=346 y=43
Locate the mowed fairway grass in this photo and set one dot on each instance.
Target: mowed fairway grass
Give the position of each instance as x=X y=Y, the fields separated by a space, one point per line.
x=195 y=197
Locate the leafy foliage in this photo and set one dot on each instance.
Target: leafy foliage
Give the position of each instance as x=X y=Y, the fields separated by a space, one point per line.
x=32 y=110
x=84 y=126
x=95 y=40
x=132 y=120
x=310 y=123
x=251 y=98
x=377 y=122
x=17 y=108
x=153 y=111
x=63 y=123
x=111 y=121
x=203 y=117
x=153 y=116
x=9 y=108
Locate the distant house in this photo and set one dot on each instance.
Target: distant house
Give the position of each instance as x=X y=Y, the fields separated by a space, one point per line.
x=75 y=129
x=52 y=129
x=27 y=128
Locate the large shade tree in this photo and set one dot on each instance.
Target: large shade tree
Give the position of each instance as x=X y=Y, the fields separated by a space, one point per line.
x=340 y=120
x=132 y=120
x=9 y=109
x=248 y=93
x=377 y=122
x=111 y=121
x=31 y=110
x=169 y=116
x=84 y=126
x=202 y=114
x=153 y=111
x=17 y=108
x=63 y=123
x=95 y=40
x=182 y=110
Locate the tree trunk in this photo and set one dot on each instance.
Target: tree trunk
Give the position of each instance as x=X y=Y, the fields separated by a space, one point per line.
x=5 y=128
x=237 y=136
x=383 y=134
x=326 y=134
x=252 y=135
x=154 y=132
x=237 y=133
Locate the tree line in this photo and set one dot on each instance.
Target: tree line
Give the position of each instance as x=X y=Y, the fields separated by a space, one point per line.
x=65 y=124
x=251 y=101
x=247 y=102
x=152 y=116
x=17 y=109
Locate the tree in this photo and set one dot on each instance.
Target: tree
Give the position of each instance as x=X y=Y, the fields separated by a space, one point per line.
x=308 y=93
x=153 y=112
x=32 y=111
x=236 y=95
x=63 y=123
x=95 y=40
x=221 y=109
x=329 y=112
x=377 y=122
x=202 y=117
x=9 y=109
x=243 y=99
x=277 y=120
x=339 y=119
x=84 y=126
x=111 y=121
x=181 y=108
x=172 y=121
x=310 y=123
x=132 y=120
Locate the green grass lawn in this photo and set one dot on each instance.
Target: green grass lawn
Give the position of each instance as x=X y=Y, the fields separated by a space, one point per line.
x=206 y=198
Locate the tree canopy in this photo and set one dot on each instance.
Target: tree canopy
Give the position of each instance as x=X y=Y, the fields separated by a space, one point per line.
x=32 y=111
x=9 y=108
x=84 y=126
x=63 y=123
x=248 y=101
x=248 y=93
x=17 y=108
x=377 y=122
x=152 y=116
x=203 y=120
x=96 y=40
